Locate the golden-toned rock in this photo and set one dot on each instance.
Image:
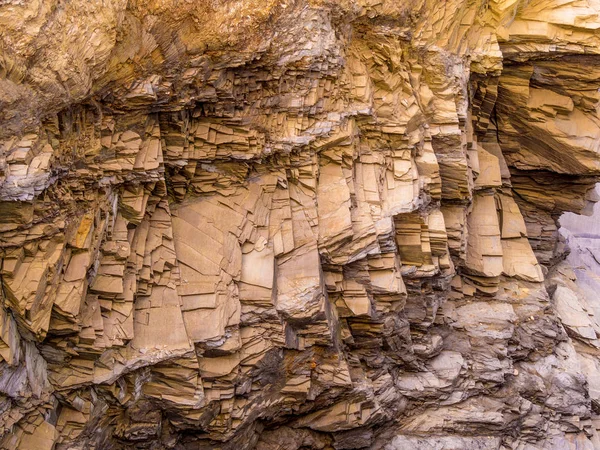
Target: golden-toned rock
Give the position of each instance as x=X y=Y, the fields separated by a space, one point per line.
x=313 y=224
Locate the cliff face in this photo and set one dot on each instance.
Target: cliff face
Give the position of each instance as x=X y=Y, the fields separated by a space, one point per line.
x=307 y=224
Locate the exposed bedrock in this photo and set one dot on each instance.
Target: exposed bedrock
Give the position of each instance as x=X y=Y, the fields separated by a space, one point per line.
x=311 y=224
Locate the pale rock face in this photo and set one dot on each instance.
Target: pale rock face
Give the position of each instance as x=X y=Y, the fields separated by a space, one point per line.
x=303 y=224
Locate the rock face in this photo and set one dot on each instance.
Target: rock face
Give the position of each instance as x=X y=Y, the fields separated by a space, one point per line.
x=299 y=224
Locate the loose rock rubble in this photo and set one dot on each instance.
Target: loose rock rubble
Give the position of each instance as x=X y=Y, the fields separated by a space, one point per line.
x=306 y=224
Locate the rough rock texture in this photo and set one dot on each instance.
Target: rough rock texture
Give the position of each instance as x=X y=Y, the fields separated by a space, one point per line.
x=306 y=224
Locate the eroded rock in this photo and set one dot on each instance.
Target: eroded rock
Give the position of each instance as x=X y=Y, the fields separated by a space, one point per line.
x=311 y=224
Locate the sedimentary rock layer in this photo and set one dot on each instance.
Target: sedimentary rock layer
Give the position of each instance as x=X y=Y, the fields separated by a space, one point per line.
x=298 y=224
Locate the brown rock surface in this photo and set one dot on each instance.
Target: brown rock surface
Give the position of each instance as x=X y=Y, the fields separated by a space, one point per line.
x=306 y=224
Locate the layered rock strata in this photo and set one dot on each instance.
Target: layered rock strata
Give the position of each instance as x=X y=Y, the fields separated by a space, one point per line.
x=298 y=224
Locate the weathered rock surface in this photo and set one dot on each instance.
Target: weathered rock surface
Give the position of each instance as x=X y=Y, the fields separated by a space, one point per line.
x=305 y=224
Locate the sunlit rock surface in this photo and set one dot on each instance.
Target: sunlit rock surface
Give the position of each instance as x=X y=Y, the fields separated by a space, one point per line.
x=311 y=224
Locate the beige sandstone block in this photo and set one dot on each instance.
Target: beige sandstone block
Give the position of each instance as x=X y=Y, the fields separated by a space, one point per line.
x=484 y=248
